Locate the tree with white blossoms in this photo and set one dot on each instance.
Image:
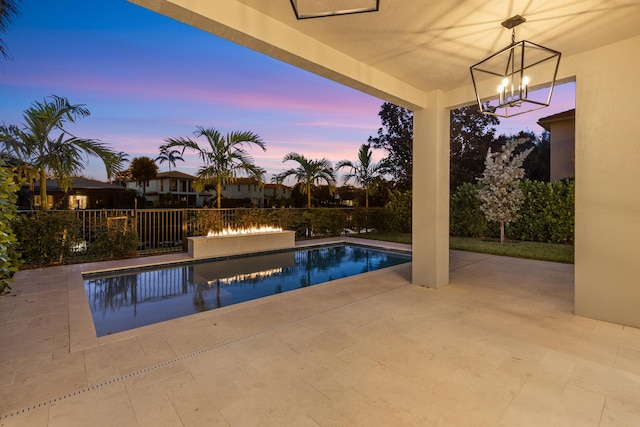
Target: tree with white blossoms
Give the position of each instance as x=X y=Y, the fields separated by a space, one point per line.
x=500 y=194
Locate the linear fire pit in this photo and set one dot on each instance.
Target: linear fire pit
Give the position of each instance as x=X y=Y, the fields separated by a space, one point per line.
x=235 y=244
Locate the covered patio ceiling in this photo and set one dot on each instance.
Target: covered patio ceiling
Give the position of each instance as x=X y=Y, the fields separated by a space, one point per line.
x=427 y=44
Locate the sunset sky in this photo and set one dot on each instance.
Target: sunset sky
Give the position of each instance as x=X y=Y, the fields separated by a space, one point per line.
x=145 y=77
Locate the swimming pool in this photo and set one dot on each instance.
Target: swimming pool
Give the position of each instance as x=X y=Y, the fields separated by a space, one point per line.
x=126 y=299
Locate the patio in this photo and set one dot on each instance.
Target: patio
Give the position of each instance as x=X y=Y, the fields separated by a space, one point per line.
x=499 y=346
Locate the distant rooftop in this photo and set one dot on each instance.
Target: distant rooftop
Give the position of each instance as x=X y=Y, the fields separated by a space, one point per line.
x=565 y=115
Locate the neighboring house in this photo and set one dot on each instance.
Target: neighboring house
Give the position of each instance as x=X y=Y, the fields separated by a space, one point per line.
x=275 y=195
x=176 y=189
x=171 y=189
x=562 y=129
x=84 y=193
x=250 y=193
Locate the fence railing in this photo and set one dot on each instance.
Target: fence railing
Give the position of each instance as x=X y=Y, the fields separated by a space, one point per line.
x=167 y=230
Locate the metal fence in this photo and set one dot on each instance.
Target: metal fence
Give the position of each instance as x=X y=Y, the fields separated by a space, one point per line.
x=167 y=230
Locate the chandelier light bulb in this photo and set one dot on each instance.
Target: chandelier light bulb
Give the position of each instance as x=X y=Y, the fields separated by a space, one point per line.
x=525 y=87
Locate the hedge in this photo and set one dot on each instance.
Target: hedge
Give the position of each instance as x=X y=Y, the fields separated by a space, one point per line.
x=547 y=214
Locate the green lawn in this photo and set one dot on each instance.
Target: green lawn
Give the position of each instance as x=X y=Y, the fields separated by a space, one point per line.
x=530 y=250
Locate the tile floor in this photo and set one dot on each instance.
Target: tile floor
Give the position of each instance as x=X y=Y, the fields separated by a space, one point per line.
x=499 y=346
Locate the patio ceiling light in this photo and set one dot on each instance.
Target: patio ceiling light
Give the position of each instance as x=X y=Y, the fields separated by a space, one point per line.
x=504 y=82
x=318 y=8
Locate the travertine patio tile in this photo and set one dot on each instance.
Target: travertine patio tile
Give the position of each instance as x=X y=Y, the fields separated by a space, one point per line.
x=607 y=381
x=113 y=360
x=199 y=403
x=61 y=346
x=108 y=406
x=620 y=413
x=149 y=393
x=348 y=407
x=42 y=382
x=276 y=397
x=38 y=417
x=303 y=336
x=153 y=409
x=628 y=359
x=536 y=406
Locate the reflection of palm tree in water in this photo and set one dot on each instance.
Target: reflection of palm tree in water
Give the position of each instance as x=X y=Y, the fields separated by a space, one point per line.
x=319 y=260
x=199 y=299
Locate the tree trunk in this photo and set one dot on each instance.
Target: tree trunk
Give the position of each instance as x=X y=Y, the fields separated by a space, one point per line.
x=308 y=196
x=43 y=190
x=366 y=197
x=218 y=189
x=502 y=232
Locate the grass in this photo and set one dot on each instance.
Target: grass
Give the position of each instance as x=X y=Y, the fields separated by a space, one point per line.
x=531 y=250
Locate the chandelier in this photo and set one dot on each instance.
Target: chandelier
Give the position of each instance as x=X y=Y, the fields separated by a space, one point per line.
x=318 y=8
x=504 y=82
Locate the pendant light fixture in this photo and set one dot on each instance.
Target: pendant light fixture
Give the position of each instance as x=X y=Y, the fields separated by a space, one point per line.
x=504 y=82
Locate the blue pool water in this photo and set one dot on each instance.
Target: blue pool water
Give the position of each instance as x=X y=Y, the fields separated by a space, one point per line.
x=127 y=299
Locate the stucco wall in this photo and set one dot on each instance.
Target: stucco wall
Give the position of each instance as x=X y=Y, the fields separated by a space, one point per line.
x=563 y=149
x=607 y=258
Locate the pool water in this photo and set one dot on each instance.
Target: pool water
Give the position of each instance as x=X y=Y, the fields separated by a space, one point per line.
x=127 y=299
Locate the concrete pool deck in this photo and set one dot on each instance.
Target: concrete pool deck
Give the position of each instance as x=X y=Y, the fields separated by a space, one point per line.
x=499 y=346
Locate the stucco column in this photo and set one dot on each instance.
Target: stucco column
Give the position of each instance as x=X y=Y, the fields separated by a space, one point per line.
x=607 y=231
x=430 y=233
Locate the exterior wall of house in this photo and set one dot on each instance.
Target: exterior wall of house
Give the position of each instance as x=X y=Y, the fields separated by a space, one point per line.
x=244 y=190
x=563 y=147
x=607 y=278
x=180 y=188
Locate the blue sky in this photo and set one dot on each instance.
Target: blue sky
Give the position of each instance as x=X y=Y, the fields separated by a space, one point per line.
x=145 y=77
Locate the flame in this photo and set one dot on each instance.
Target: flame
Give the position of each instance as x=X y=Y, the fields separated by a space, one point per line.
x=243 y=231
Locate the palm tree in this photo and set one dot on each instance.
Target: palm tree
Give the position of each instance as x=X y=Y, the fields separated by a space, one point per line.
x=8 y=9
x=62 y=155
x=170 y=156
x=223 y=157
x=363 y=172
x=143 y=169
x=310 y=172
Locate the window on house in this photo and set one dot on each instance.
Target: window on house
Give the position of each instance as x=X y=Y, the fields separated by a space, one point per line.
x=37 y=201
x=78 y=202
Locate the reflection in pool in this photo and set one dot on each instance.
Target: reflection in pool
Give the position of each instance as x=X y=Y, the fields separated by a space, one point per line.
x=127 y=299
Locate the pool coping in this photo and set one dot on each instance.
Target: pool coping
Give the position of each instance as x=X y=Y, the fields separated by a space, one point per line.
x=82 y=333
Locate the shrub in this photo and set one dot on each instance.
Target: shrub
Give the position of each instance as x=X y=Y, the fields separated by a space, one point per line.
x=547 y=214
x=9 y=256
x=466 y=217
x=399 y=211
x=47 y=237
x=116 y=241
x=206 y=220
x=366 y=220
x=327 y=221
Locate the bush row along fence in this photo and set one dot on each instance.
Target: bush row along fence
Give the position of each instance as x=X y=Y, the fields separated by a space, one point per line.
x=50 y=237
x=547 y=214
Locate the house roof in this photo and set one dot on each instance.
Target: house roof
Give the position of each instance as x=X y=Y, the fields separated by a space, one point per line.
x=545 y=122
x=175 y=174
x=82 y=184
x=277 y=186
